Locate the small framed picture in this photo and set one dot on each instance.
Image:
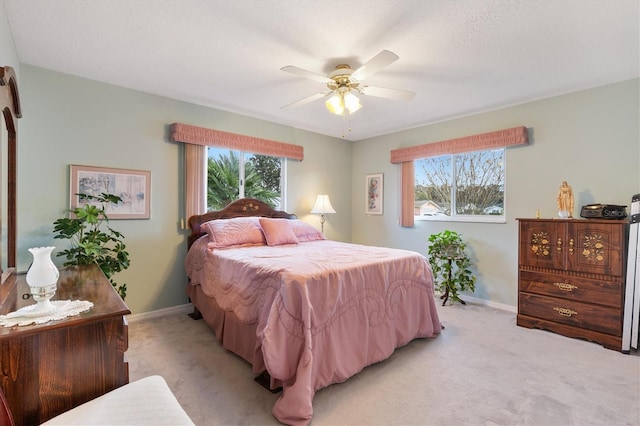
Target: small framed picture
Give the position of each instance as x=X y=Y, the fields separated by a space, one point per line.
x=132 y=186
x=374 y=191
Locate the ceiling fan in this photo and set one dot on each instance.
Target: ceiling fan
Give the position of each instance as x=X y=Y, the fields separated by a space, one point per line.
x=344 y=80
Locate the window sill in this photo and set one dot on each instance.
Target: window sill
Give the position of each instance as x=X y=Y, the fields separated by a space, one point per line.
x=477 y=219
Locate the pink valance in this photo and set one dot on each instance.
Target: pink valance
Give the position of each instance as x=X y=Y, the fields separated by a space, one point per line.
x=211 y=137
x=490 y=140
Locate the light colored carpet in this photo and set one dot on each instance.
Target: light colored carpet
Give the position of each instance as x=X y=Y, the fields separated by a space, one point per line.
x=482 y=370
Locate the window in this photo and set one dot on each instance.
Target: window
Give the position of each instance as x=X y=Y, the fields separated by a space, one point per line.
x=235 y=174
x=196 y=142
x=463 y=152
x=468 y=186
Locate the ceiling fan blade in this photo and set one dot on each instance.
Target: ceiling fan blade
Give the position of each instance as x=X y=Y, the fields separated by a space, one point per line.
x=306 y=74
x=382 y=92
x=304 y=101
x=374 y=65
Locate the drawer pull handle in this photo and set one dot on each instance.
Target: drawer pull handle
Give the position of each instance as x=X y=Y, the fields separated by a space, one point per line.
x=559 y=248
x=565 y=286
x=565 y=312
x=571 y=246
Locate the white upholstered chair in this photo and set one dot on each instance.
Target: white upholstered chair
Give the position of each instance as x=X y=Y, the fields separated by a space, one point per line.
x=147 y=401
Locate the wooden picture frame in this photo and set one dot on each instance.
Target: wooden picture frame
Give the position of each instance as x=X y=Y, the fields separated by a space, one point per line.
x=133 y=186
x=374 y=187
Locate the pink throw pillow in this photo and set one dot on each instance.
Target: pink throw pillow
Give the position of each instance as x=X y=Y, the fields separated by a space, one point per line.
x=306 y=232
x=278 y=231
x=239 y=231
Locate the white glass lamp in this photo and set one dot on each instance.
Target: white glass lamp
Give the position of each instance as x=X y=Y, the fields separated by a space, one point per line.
x=343 y=100
x=322 y=207
x=335 y=104
x=42 y=278
x=351 y=102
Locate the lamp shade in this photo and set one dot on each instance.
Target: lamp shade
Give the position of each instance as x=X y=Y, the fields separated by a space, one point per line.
x=322 y=205
x=343 y=100
x=335 y=104
x=351 y=102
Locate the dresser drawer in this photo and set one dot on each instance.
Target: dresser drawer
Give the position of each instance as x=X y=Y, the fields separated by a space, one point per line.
x=570 y=312
x=573 y=288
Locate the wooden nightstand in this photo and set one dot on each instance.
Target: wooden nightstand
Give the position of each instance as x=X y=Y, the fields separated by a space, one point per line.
x=50 y=368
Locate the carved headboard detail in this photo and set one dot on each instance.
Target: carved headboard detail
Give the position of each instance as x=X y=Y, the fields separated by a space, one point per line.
x=243 y=207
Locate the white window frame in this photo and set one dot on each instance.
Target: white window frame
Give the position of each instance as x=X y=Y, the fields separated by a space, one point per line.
x=470 y=218
x=241 y=159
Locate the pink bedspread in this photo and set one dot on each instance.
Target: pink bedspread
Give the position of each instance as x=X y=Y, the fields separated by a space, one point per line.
x=324 y=310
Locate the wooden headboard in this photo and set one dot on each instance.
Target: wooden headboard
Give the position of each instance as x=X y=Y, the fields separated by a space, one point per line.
x=243 y=207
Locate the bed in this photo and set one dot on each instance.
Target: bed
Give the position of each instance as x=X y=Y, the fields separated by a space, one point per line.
x=305 y=311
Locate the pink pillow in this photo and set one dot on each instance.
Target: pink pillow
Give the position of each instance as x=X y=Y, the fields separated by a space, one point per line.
x=278 y=231
x=239 y=231
x=306 y=232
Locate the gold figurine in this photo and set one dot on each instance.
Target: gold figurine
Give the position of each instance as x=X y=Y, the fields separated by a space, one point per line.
x=565 y=201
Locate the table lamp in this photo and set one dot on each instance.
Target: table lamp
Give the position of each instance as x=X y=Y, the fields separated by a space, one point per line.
x=322 y=207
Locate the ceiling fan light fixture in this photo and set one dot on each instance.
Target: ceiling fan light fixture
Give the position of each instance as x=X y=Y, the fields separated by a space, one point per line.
x=352 y=102
x=335 y=104
x=343 y=100
x=343 y=82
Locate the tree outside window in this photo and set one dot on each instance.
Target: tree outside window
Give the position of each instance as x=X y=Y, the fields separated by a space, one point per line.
x=466 y=184
x=233 y=174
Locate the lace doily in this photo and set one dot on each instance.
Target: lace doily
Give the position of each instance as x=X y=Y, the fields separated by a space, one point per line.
x=61 y=309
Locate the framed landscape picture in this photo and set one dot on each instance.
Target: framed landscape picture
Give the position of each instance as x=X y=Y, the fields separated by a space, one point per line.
x=132 y=186
x=374 y=190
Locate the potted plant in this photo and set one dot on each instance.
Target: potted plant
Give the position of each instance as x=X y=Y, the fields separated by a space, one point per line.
x=450 y=265
x=90 y=242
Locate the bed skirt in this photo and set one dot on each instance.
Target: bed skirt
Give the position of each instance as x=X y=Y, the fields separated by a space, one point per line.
x=233 y=334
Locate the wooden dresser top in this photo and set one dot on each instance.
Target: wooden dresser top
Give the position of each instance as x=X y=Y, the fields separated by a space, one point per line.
x=84 y=282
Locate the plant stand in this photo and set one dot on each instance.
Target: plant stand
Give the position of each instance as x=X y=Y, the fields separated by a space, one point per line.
x=446 y=253
x=445 y=296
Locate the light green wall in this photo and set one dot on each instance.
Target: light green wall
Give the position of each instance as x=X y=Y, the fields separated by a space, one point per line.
x=589 y=138
x=8 y=54
x=69 y=120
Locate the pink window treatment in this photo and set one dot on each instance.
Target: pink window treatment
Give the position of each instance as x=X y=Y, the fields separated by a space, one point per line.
x=490 y=140
x=405 y=157
x=408 y=178
x=196 y=139
x=195 y=179
x=211 y=137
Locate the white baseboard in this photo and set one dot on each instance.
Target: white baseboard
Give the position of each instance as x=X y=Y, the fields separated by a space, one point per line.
x=489 y=303
x=174 y=310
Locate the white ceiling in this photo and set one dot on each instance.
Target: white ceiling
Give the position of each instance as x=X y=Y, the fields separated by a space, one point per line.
x=460 y=56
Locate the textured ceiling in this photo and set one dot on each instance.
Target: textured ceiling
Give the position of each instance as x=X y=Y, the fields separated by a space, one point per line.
x=460 y=56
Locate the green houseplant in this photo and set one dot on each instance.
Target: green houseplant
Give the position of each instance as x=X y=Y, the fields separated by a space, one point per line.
x=90 y=242
x=450 y=265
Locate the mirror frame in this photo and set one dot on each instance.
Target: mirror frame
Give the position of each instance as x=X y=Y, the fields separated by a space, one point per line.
x=11 y=111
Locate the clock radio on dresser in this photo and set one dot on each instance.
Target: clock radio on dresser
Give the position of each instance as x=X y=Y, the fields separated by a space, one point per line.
x=603 y=211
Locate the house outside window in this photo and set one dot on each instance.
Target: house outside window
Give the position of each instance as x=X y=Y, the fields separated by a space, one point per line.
x=469 y=186
x=235 y=174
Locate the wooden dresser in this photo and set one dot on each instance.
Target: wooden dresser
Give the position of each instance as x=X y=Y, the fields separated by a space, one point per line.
x=50 y=368
x=571 y=277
